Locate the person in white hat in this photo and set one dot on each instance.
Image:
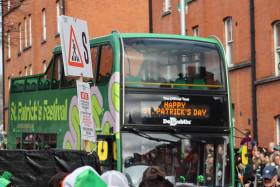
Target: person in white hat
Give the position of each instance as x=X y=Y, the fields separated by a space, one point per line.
x=115 y=179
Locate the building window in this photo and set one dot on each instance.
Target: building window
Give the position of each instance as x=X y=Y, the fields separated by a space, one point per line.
x=44 y=25
x=233 y=124
x=278 y=129
x=45 y=68
x=9 y=4
x=167 y=6
x=9 y=80
x=45 y=65
x=25 y=68
x=25 y=32
x=30 y=29
x=30 y=69
x=229 y=41
x=195 y=31
x=20 y=74
x=57 y=15
x=20 y=37
x=9 y=44
x=277 y=47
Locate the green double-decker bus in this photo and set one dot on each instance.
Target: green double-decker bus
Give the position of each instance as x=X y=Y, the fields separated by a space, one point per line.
x=156 y=99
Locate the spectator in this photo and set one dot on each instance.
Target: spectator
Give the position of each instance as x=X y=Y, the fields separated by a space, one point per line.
x=155 y=180
x=84 y=176
x=115 y=178
x=5 y=180
x=3 y=143
x=56 y=180
x=154 y=176
x=267 y=158
x=276 y=151
x=247 y=139
x=269 y=176
x=271 y=147
x=153 y=170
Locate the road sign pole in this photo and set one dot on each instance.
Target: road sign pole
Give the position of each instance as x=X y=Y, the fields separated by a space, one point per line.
x=87 y=145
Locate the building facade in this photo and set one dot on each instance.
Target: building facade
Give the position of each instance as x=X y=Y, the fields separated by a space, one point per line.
x=31 y=30
x=250 y=33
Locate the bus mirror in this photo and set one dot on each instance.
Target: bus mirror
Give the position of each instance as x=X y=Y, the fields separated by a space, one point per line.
x=102 y=150
x=115 y=150
x=244 y=155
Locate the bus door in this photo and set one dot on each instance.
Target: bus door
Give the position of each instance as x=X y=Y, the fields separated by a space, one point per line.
x=207 y=163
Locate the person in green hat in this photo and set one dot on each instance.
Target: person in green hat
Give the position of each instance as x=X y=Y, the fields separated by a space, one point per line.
x=5 y=180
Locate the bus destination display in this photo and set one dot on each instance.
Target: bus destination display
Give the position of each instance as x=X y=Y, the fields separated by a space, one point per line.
x=175 y=110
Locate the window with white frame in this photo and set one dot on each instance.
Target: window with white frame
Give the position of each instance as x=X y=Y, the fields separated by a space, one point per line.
x=26 y=72
x=45 y=67
x=25 y=32
x=30 y=29
x=167 y=6
x=276 y=29
x=30 y=69
x=9 y=44
x=20 y=74
x=44 y=25
x=9 y=4
x=277 y=120
x=195 y=31
x=229 y=41
x=57 y=14
x=20 y=37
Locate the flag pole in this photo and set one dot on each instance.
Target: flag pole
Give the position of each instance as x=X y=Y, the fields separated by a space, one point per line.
x=182 y=17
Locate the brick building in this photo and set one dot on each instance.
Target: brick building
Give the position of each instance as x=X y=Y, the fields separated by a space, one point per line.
x=30 y=26
x=230 y=21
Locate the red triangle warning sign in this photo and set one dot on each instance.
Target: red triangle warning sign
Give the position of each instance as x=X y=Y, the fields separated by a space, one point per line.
x=74 y=58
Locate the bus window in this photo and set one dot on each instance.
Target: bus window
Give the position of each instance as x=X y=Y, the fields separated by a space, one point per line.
x=18 y=143
x=93 y=51
x=105 y=64
x=28 y=141
x=181 y=64
x=45 y=80
x=177 y=155
x=57 y=72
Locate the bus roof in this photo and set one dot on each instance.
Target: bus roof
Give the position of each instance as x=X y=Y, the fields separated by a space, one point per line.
x=57 y=49
x=173 y=36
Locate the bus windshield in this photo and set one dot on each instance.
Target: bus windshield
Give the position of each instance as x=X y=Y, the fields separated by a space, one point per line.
x=183 y=157
x=172 y=63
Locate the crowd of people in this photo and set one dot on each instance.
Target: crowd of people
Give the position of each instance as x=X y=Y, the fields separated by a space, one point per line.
x=3 y=140
x=86 y=176
x=262 y=167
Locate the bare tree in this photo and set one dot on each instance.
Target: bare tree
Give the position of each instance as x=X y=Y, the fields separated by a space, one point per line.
x=9 y=24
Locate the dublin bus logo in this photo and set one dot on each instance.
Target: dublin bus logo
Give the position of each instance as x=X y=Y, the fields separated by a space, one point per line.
x=173 y=121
